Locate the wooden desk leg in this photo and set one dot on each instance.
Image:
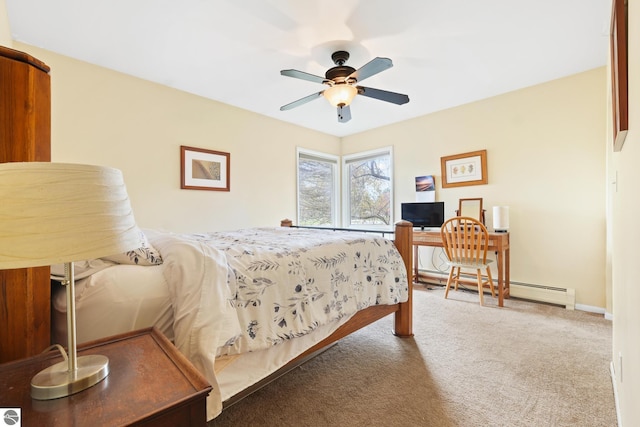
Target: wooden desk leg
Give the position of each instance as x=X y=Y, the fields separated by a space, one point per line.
x=415 y=264
x=507 y=274
x=500 y=278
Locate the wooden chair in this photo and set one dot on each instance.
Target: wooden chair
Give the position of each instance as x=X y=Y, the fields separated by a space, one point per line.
x=465 y=241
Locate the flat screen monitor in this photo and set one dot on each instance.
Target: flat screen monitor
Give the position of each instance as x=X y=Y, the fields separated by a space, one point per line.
x=423 y=214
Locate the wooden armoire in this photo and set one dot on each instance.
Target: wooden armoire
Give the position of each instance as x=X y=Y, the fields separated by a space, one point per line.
x=25 y=136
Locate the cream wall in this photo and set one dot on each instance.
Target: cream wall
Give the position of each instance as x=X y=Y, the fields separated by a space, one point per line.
x=108 y=118
x=546 y=161
x=625 y=199
x=5 y=33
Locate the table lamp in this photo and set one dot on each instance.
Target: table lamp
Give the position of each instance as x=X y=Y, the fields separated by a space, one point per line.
x=53 y=213
x=501 y=219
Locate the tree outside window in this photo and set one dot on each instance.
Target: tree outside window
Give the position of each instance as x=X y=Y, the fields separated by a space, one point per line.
x=317 y=189
x=369 y=188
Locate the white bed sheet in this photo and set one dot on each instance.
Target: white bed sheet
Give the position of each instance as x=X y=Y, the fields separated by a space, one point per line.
x=140 y=297
x=248 y=369
x=115 y=300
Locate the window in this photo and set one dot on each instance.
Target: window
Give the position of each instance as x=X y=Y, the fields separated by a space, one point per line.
x=368 y=189
x=318 y=189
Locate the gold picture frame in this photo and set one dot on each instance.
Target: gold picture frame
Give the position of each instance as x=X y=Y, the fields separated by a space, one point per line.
x=464 y=169
x=619 y=73
x=202 y=169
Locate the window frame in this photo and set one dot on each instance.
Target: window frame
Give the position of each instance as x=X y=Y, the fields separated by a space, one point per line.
x=328 y=158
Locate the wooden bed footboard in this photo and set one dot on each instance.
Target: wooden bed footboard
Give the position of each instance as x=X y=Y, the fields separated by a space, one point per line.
x=404 y=243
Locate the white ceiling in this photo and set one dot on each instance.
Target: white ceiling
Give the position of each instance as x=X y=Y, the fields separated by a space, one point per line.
x=445 y=53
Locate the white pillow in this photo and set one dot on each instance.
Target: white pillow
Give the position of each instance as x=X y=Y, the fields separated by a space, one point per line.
x=146 y=254
x=81 y=269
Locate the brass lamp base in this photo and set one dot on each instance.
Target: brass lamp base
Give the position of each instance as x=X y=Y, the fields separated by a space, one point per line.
x=59 y=380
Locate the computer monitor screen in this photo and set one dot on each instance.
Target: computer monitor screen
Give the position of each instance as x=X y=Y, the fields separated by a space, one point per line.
x=423 y=214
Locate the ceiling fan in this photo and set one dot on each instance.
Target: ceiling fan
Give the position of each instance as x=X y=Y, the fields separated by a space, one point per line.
x=342 y=80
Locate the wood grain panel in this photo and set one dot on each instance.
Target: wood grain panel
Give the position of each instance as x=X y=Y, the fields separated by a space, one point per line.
x=25 y=136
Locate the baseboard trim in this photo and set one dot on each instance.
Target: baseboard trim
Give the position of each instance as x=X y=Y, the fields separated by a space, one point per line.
x=612 y=370
x=539 y=293
x=591 y=309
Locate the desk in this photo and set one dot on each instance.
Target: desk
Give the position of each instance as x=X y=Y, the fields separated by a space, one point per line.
x=498 y=243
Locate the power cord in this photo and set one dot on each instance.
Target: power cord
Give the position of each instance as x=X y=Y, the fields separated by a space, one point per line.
x=59 y=348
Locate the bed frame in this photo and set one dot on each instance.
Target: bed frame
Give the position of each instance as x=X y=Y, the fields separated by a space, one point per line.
x=403 y=239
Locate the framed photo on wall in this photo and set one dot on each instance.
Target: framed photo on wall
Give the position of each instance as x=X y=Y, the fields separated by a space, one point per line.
x=619 y=73
x=464 y=169
x=202 y=169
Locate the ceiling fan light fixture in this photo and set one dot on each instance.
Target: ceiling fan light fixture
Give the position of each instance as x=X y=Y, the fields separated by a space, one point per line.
x=340 y=95
x=341 y=81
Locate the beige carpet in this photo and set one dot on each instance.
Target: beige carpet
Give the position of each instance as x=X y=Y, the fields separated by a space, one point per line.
x=526 y=364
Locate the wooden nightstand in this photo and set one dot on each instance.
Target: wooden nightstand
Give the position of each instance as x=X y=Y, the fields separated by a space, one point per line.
x=150 y=383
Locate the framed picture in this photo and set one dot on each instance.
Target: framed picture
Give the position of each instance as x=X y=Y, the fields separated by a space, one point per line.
x=464 y=169
x=202 y=169
x=425 y=183
x=619 y=82
x=425 y=188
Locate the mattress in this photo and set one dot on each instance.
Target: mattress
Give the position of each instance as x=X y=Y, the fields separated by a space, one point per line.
x=140 y=297
x=116 y=299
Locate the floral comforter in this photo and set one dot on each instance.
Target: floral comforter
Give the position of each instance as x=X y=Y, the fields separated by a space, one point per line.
x=247 y=290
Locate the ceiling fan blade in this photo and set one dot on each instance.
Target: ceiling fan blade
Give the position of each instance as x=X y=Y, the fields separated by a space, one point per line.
x=304 y=76
x=344 y=114
x=383 y=95
x=301 y=101
x=373 y=67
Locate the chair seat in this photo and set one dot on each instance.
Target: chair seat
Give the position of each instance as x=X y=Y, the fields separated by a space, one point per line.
x=469 y=263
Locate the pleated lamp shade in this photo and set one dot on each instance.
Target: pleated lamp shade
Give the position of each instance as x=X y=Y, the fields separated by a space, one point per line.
x=52 y=213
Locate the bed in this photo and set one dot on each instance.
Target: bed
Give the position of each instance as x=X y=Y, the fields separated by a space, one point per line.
x=245 y=306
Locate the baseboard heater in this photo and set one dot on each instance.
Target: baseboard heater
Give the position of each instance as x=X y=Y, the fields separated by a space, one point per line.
x=548 y=294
